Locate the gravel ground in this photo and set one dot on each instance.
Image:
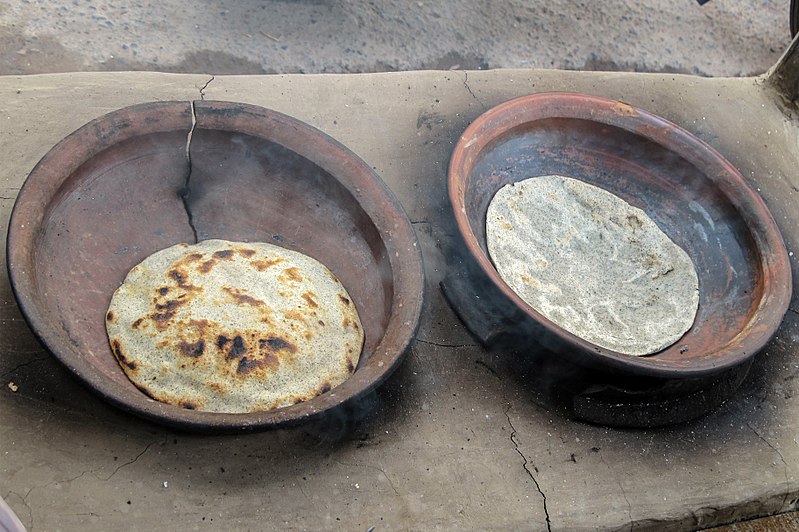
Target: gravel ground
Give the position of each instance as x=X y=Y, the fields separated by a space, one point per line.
x=722 y=38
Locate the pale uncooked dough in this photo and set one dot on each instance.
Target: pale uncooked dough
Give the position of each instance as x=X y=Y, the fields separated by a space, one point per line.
x=592 y=264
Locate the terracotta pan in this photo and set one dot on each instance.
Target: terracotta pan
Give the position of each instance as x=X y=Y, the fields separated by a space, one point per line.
x=110 y=194
x=696 y=196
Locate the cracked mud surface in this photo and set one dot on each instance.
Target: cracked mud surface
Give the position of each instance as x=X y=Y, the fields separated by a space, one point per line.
x=466 y=84
x=526 y=467
x=24 y=498
x=722 y=38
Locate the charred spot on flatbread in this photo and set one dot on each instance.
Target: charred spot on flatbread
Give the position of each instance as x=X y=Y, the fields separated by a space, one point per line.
x=117 y=348
x=193 y=350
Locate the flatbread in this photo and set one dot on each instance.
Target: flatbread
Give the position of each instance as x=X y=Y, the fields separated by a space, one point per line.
x=592 y=264
x=233 y=327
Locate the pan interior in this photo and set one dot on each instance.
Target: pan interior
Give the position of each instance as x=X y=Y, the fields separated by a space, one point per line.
x=687 y=205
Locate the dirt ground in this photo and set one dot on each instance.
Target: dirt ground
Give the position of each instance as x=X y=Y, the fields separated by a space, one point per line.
x=721 y=38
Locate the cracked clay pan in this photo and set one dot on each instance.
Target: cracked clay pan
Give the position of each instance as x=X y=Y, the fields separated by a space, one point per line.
x=149 y=176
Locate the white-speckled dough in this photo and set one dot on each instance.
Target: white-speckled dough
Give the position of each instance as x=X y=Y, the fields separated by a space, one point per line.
x=592 y=264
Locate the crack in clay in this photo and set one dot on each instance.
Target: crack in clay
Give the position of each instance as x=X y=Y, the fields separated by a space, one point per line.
x=202 y=91
x=9 y=190
x=468 y=88
x=428 y=342
x=782 y=459
x=624 y=493
x=377 y=468
x=24 y=498
x=525 y=464
x=136 y=458
x=186 y=190
x=28 y=493
x=20 y=366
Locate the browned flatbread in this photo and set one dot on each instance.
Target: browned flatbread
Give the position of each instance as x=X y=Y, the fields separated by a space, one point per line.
x=233 y=327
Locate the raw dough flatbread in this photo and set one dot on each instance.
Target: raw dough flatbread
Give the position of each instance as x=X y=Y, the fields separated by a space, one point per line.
x=233 y=327
x=592 y=264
